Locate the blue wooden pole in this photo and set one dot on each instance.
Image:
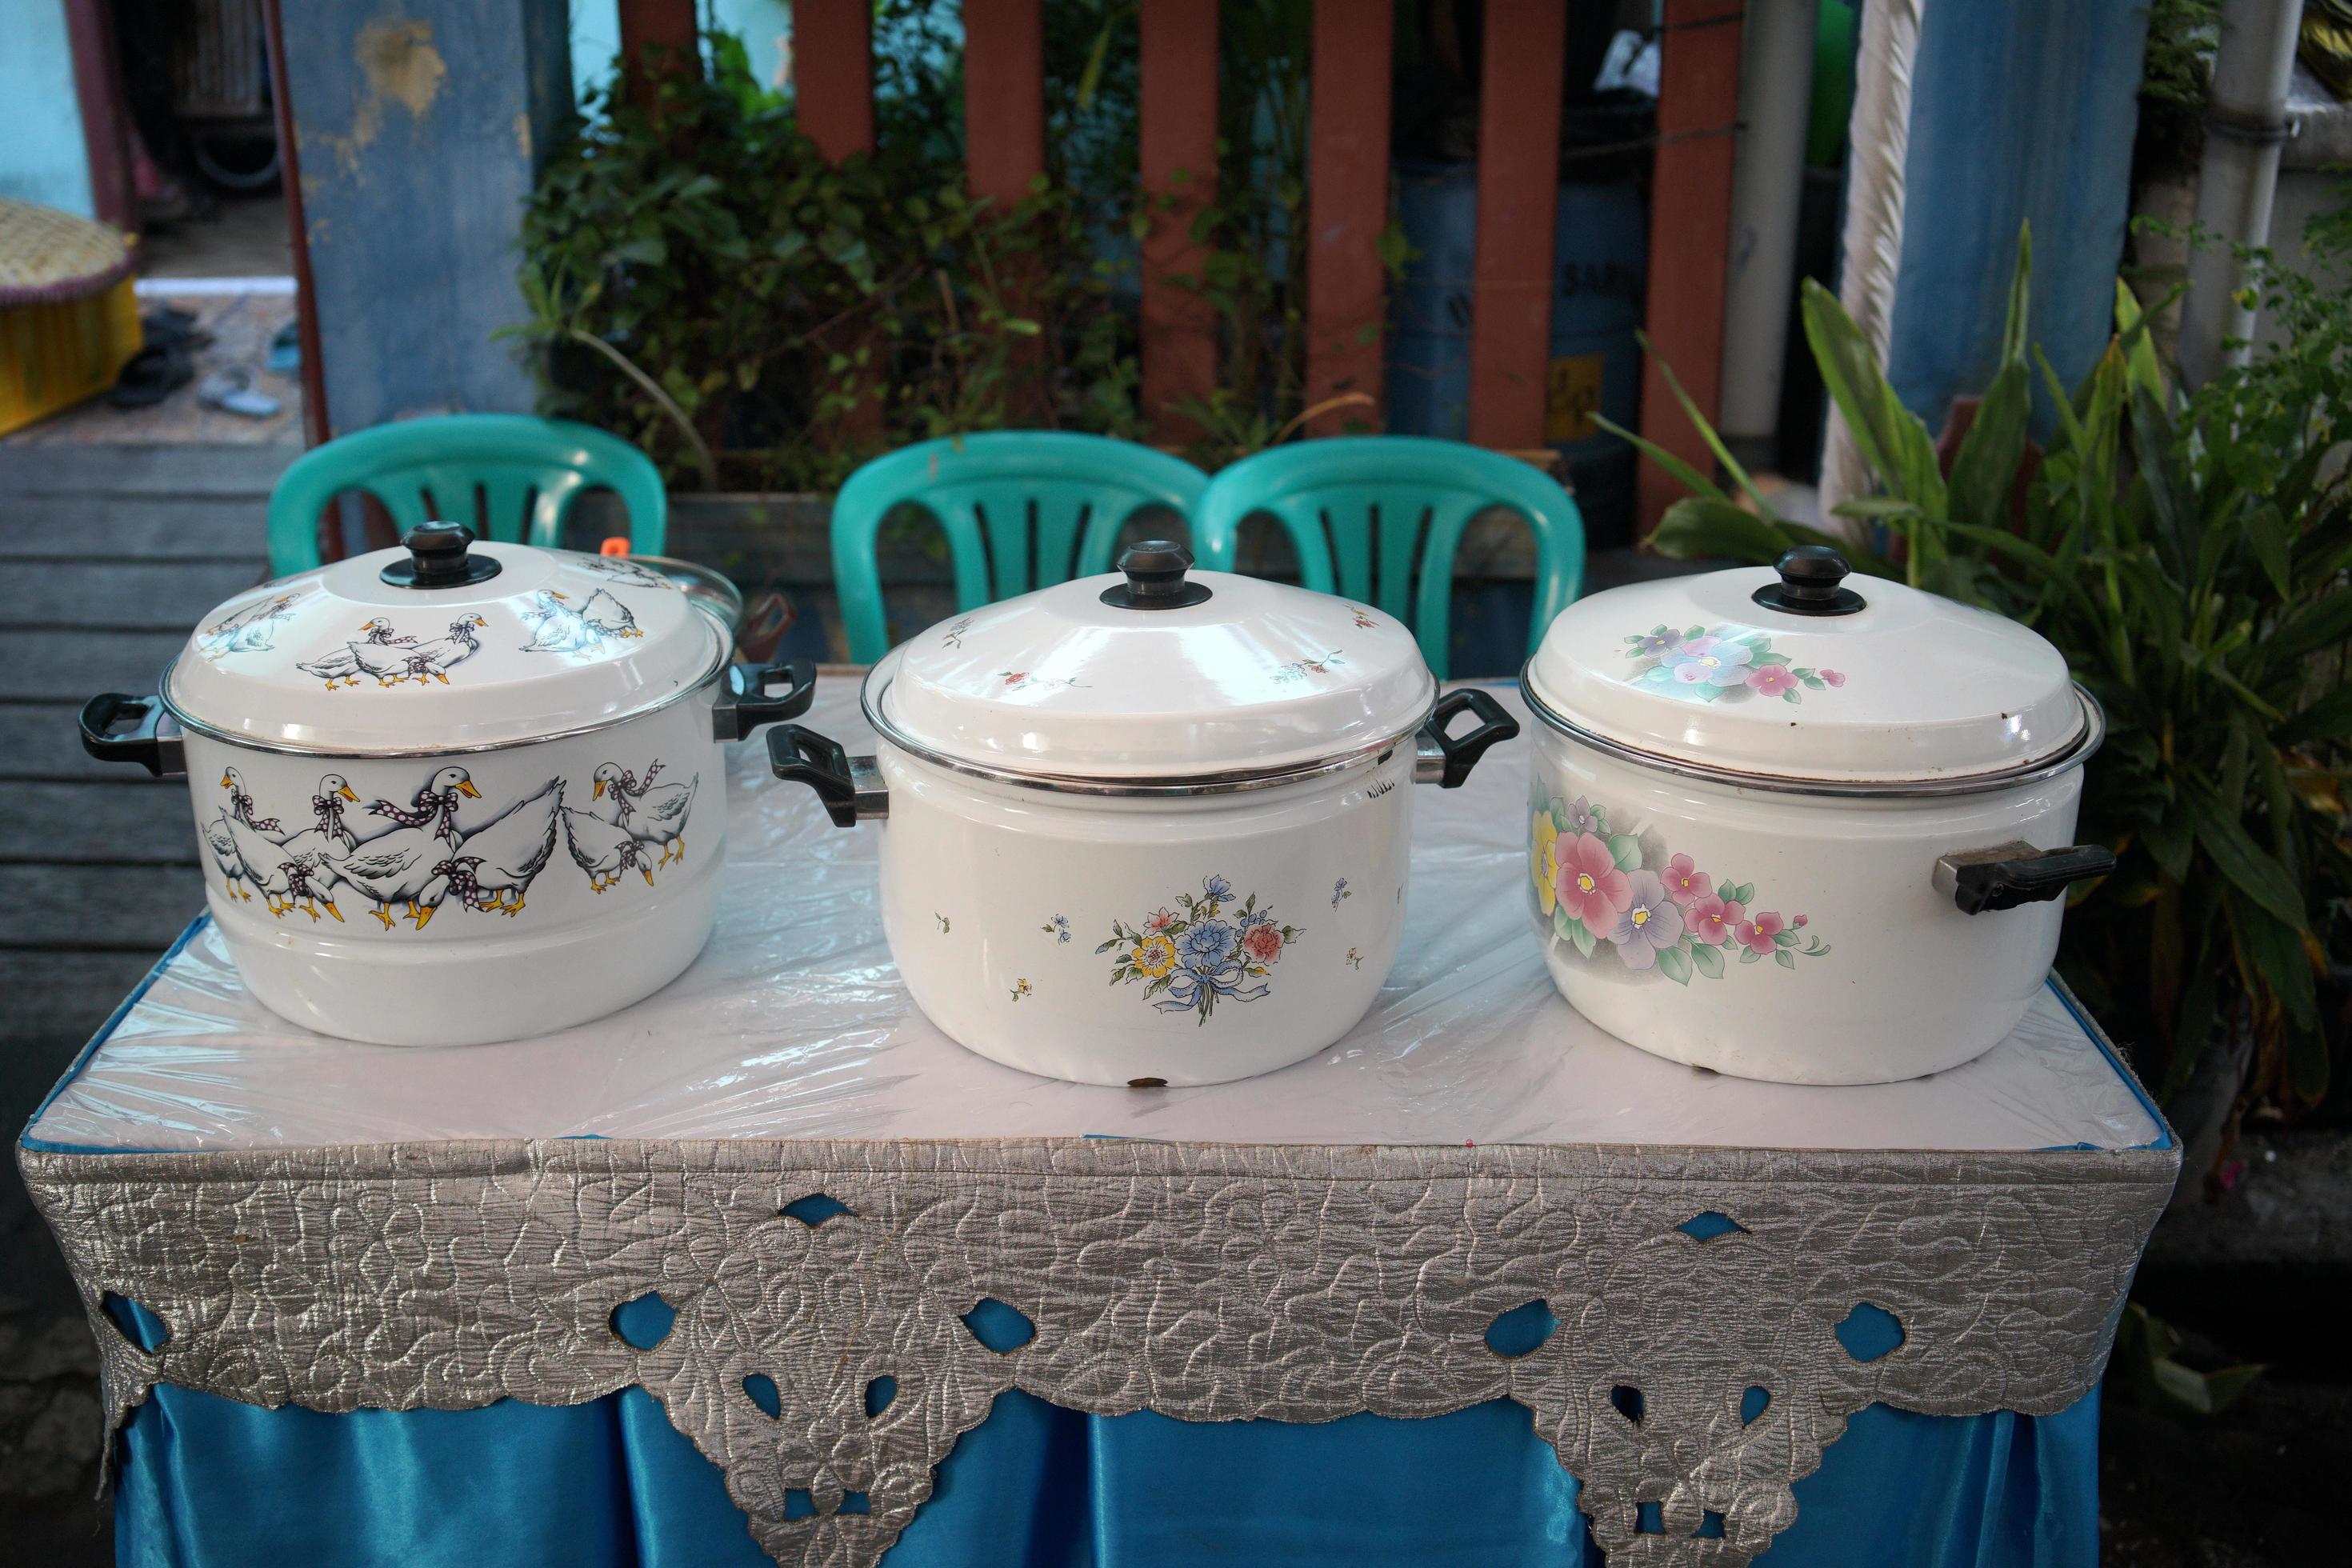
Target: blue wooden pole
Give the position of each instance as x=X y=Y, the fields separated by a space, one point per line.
x=421 y=125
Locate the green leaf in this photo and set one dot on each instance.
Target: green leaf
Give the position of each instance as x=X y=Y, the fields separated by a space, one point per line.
x=1786 y=960
x=1709 y=960
x=1984 y=471
x=1749 y=955
x=2277 y=954
x=2266 y=534
x=2246 y=864
x=1700 y=526
x=2328 y=719
x=2325 y=621
x=1705 y=431
x=1690 y=479
x=1581 y=934
x=1561 y=924
x=1626 y=850
x=1674 y=965
x=1889 y=436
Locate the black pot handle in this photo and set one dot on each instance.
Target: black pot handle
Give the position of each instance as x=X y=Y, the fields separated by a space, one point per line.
x=2007 y=876
x=148 y=742
x=1447 y=760
x=851 y=787
x=744 y=704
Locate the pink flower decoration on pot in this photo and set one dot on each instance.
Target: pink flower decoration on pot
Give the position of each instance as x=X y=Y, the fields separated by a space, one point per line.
x=1834 y=677
x=1714 y=920
x=1262 y=941
x=1684 y=883
x=1589 y=886
x=1758 y=934
x=1158 y=921
x=1772 y=679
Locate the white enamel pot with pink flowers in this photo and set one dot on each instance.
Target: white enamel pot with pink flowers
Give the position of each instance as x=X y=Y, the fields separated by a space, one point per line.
x=1789 y=828
x=1152 y=827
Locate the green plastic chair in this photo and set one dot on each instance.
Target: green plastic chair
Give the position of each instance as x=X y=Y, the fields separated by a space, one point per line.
x=510 y=477
x=1362 y=500
x=1021 y=509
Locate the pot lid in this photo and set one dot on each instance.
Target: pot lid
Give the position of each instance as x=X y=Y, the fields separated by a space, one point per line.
x=1157 y=673
x=1791 y=672
x=441 y=644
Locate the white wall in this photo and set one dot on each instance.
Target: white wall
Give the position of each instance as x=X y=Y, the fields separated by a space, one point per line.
x=42 y=156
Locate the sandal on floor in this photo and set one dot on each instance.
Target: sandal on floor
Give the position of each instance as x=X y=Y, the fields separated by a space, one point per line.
x=231 y=391
x=151 y=376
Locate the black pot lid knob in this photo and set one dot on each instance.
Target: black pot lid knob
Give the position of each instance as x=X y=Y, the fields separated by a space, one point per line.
x=1811 y=583
x=1155 y=578
x=438 y=558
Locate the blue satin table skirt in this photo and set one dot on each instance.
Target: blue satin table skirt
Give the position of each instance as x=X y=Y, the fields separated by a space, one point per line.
x=205 y=1482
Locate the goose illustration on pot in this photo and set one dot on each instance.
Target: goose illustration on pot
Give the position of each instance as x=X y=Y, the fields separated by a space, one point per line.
x=252 y=630
x=511 y=849
x=379 y=654
x=652 y=813
x=435 y=660
x=603 y=849
x=621 y=569
x=560 y=628
x=397 y=867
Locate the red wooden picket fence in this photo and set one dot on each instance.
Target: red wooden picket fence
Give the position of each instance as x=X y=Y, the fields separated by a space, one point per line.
x=1348 y=187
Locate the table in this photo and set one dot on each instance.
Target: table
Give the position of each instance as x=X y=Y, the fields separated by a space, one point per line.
x=1472 y=1272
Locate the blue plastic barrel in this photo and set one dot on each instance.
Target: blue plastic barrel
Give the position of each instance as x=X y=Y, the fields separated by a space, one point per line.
x=1600 y=259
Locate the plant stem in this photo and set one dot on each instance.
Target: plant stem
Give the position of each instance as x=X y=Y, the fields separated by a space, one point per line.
x=704 y=464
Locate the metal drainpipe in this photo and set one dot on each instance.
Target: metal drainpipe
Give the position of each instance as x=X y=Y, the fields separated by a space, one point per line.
x=2245 y=121
x=1775 y=101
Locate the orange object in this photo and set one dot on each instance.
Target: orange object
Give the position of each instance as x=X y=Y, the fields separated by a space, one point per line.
x=618 y=544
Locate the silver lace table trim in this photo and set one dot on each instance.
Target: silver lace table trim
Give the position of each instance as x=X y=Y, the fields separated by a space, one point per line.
x=1209 y=1282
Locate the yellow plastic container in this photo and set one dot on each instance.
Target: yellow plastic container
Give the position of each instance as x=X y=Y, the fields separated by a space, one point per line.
x=54 y=355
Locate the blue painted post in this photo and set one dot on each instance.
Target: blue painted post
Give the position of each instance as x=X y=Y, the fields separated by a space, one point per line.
x=421 y=125
x=2019 y=110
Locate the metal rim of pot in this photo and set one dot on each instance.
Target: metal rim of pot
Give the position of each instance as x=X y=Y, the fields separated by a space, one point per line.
x=2073 y=754
x=870 y=701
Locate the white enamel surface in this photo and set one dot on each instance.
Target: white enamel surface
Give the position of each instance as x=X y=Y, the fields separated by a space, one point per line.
x=794 y=1023
x=1908 y=984
x=980 y=881
x=1258 y=677
x=338 y=660
x=1914 y=686
x=463 y=974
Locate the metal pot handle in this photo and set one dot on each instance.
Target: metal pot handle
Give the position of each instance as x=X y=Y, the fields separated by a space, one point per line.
x=1447 y=760
x=153 y=742
x=851 y=787
x=744 y=704
x=2009 y=875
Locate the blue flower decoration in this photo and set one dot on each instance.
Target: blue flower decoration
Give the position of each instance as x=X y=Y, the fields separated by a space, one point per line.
x=1217 y=887
x=1206 y=947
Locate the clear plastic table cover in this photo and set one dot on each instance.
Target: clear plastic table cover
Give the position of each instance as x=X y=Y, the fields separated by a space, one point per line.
x=793 y=1024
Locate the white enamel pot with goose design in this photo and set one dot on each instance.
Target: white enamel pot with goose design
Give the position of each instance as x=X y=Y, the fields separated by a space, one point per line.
x=1148 y=828
x=1791 y=829
x=455 y=793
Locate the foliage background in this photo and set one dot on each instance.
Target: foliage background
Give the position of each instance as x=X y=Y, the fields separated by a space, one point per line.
x=703 y=283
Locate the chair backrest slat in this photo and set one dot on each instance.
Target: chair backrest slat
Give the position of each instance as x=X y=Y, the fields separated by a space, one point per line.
x=1020 y=510
x=510 y=477
x=1369 y=513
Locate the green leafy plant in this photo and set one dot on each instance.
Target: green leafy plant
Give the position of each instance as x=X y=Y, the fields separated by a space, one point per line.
x=702 y=280
x=2189 y=554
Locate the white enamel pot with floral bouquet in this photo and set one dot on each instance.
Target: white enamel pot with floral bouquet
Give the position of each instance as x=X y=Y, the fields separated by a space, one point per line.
x=1792 y=828
x=1148 y=828
x=454 y=793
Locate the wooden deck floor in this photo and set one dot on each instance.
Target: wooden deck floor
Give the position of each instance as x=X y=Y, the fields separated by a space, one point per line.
x=108 y=555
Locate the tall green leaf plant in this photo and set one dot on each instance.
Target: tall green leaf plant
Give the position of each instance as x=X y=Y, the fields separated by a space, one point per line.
x=2187 y=552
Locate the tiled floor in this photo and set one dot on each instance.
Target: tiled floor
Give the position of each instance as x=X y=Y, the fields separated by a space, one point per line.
x=241 y=326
